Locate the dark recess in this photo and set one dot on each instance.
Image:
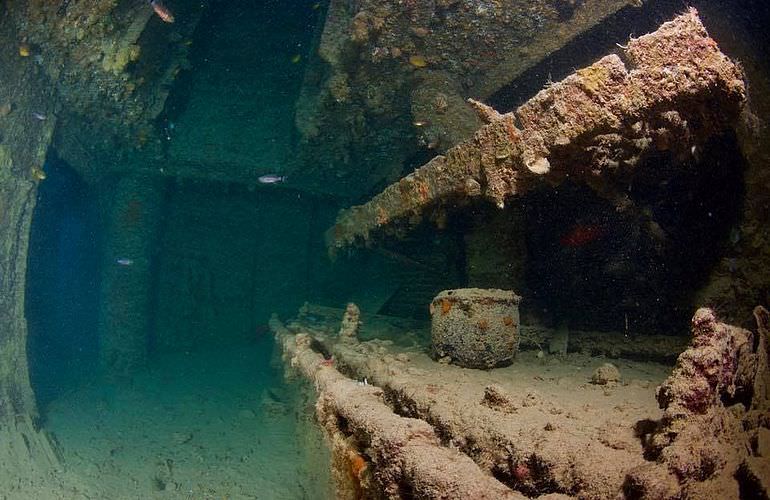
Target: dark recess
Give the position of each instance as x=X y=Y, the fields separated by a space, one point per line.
x=62 y=283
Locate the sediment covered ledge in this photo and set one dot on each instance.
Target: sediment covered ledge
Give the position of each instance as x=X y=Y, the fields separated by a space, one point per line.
x=541 y=426
x=402 y=454
x=593 y=127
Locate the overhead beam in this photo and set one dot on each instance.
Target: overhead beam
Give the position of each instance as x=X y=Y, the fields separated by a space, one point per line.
x=676 y=90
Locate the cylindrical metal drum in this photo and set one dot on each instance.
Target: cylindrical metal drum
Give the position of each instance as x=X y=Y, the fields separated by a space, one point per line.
x=475 y=328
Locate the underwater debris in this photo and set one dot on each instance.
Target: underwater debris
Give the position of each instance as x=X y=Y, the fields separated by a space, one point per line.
x=708 y=370
x=498 y=399
x=593 y=127
x=38 y=173
x=418 y=61
x=437 y=54
x=475 y=328
x=655 y=348
x=715 y=405
x=351 y=323
x=405 y=454
x=500 y=422
x=606 y=374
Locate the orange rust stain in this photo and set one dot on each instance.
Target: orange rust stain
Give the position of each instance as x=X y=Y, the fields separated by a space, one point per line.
x=424 y=192
x=446 y=306
x=357 y=464
x=483 y=324
x=507 y=320
x=382 y=216
x=511 y=129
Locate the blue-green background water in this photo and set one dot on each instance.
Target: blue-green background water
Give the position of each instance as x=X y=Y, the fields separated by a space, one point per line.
x=208 y=413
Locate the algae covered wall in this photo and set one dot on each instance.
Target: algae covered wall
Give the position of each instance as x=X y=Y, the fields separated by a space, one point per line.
x=114 y=64
x=392 y=77
x=132 y=211
x=227 y=259
x=23 y=148
x=27 y=460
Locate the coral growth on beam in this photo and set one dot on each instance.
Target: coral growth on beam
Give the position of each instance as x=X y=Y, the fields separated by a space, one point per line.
x=374 y=449
x=593 y=127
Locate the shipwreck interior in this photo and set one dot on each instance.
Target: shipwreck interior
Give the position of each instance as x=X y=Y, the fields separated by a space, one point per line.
x=233 y=234
x=624 y=276
x=63 y=280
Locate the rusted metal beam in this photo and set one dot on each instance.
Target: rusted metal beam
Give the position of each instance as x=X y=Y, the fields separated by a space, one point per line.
x=676 y=90
x=401 y=452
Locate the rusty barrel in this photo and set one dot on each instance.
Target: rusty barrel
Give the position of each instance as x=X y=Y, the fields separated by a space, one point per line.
x=474 y=327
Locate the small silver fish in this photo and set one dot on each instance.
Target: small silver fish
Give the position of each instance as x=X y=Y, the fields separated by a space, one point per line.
x=124 y=261
x=38 y=116
x=271 y=179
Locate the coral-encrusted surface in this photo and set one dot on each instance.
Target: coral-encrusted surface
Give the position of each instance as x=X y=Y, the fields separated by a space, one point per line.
x=475 y=328
x=113 y=63
x=402 y=454
x=545 y=426
x=707 y=371
x=395 y=74
x=540 y=426
x=29 y=464
x=593 y=127
x=715 y=414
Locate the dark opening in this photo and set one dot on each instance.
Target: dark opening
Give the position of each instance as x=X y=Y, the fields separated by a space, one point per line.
x=62 y=283
x=592 y=267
